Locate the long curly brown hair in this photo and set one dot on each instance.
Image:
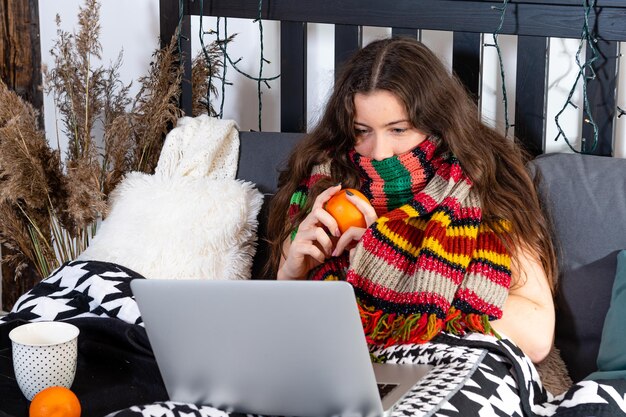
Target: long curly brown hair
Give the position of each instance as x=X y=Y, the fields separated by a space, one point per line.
x=437 y=104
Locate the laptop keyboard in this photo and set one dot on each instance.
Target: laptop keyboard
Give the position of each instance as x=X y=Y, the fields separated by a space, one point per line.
x=384 y=389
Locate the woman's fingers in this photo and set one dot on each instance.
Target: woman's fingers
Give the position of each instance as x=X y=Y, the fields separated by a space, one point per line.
x=312 y=244
x=318 y=237
x=364 y=207
x=319 y=216
x=305 y=248
x=313 y=241
x=325 y=195
x=348 y=240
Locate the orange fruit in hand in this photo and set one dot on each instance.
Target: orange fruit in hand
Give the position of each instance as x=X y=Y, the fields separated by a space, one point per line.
x=54 y=402
x=344 y=211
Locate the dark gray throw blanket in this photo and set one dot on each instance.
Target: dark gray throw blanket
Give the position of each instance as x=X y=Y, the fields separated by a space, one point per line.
x=475 y=375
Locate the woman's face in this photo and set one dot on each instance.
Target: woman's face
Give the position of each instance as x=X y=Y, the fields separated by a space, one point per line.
x=382 y=127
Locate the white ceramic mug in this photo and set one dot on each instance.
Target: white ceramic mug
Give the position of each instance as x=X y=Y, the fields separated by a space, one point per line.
x=44 y=355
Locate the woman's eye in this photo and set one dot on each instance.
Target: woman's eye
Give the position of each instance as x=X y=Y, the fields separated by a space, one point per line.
x=359 y=132
x=398 y=131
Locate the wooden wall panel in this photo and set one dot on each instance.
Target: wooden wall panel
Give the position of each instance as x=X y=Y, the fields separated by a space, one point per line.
x=20 y=69
x=20 y=50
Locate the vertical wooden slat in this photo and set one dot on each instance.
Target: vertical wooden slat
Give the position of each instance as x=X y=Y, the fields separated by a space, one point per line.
x=413 y=33
x=347 y=41
x=169 y=13
x=530 y=92
x=601 y=94
x=20 y=70
x=293 y=76
x=186 y=102
x=168 y=20
x=466 y=60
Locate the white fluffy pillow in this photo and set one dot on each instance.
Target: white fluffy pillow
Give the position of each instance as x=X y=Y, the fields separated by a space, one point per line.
x=180 y=227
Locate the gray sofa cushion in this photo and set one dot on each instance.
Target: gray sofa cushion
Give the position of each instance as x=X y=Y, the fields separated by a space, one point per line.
x=586 y=198
x=261 y=156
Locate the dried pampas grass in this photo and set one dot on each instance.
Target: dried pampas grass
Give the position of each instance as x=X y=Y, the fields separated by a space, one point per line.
x=27 y=163
x=30 y=177
x=14 y=236
x=156 y=109
x=49 y=205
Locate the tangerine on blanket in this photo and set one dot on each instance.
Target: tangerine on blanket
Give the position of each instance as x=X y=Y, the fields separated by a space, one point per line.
x=55 y=402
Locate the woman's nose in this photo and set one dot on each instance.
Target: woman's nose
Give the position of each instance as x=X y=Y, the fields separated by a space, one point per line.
x=382 y=149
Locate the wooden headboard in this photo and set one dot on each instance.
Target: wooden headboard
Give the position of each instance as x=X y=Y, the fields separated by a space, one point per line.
x=533 y=21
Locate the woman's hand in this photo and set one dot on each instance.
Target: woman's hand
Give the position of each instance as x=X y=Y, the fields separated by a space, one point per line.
x=312 y=245
x=353 y=235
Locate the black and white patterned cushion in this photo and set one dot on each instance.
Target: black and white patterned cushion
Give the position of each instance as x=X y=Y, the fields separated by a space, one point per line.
x=81 y=289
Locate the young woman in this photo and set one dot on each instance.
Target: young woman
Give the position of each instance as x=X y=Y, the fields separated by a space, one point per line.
x=456 y=241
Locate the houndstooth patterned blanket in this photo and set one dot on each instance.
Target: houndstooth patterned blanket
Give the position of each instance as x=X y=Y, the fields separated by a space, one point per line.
x=475 y=375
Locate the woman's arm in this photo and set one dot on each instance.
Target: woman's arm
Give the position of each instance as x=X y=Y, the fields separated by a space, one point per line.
x=528 y=313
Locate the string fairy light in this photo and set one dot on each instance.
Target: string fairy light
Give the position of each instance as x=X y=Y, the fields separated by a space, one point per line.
x=496 y=45
x=587 y=37
x=262 y=60
x=179 y=27
x=585 y=73
x=222 y=45
x=224 y=66
x=620 y=112
x=210 y=64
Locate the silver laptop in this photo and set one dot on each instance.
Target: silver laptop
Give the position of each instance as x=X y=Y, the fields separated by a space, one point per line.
x=288 y=348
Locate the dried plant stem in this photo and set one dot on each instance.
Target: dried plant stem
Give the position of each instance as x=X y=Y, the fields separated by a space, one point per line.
x=75 y=125
x=33 y=225
x=87 y=138
x=41 y=265
x=36 y=236
x=56 y=124
x=59 y=238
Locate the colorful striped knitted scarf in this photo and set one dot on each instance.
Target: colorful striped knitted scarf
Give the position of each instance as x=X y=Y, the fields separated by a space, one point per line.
x=428 y=264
